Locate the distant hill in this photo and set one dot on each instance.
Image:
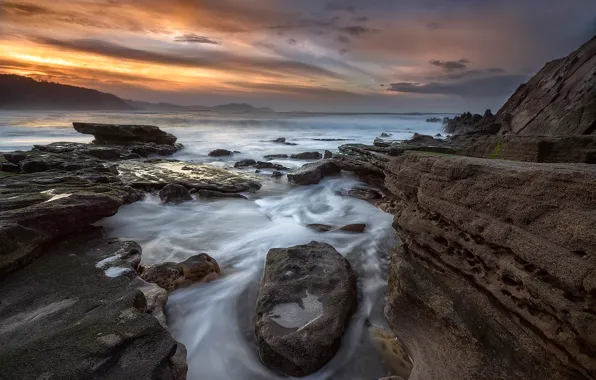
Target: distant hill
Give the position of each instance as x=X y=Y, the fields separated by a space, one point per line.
x=18 y=93
x=231 y=108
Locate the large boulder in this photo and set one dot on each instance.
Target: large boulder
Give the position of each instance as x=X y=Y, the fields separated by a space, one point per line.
x=306 y=298
x=125 y=134
x=245 y=163
x=74 y=313
x=313 y=173
x=220 y=153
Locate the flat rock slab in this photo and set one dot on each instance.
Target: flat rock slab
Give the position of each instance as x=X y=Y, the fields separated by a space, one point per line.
x=201 y=177
x=125 y=133
x=306 y=299
x=62 y=317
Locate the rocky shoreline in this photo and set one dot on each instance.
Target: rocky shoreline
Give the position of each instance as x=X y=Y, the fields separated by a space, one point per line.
x=495 y=276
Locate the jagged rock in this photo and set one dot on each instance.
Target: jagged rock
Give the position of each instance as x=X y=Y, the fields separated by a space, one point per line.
x=170 y=276
x=362 y=193
x=485 y=240
x=218 y=194
x=173 y=193
x=559 y=100
x=9 y=168
x=157 y=174
x=418 y=138
x=62 y=317
x=269 y=165
x=276 y=174
x=220 y=153
x=306 y=298
x=385 y=134
x=282 y=140
x=327 y=154
x=307 y=156
x=311 y=174
x=245 y=163
x=275 y=156
x=434 y=120
x=125 y=134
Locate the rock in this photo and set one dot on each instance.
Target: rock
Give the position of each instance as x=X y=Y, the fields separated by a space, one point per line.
x=171 y=276
x=306 y=298
x=156 y=298
x=245 y=163
x=173 y=193
x=418 y=138
x=560 y=100
x=257 y=171
x=218 y=194
x=434 y=120
x=282 y=140
x=327 y=154
x=37 y=208
x=157 y=174
x=394 y=354
x=9 y=167
x=484 y=240
x=15 y=157
x=125 y=134
x=385 y=134
x=307 y=156
x=276 y=174
x=311 y=174
x=275 y=156
x=362 y=193
x=348 y=228
x=269 y=165
x=220 y=152
x=74 y=322
x=133 y=150
x=438 y=135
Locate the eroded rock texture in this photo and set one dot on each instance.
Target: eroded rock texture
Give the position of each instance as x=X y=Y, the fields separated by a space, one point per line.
x=497 y=275
x=559 y=100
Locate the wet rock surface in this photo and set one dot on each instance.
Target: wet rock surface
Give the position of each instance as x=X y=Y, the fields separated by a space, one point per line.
x=306 y=298
x=313 y=173
x=170 y=276
x=358 y=227
x=174 y=194
x=220 y=153
x=307 y=156
x=74 y=322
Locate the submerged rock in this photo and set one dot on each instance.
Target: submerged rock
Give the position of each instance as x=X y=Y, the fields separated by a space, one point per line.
x=282 y=140
x=327 y=154
x=269 y=165
x=276 y=174
x=360 y=227
x=174 y=193
x=306 y=298
x=362 y=193
x=275 y=156
x=394 y=354
x=220 y=152
x=219 y=194
x=171 y=276
x=124 y=134
x=307 y=156
x=385 y=135
x=311 y=174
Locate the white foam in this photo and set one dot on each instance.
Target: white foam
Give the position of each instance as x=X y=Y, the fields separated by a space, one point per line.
x=116 y=271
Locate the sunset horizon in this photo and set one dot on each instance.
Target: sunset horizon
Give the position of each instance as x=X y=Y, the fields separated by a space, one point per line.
x=336 y=56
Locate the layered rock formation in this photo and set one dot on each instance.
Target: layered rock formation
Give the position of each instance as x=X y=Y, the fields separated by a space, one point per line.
x=497 y=275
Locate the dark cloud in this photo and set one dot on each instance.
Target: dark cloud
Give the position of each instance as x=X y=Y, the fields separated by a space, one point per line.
x=482 y=87
x=192 y=59
x=195 y=38
x=496 y=70
x=433 y=25
x=340 y=6
x=292 y=41
x=450 y=65
x=343 y=51
x=297 y=90
x=456 y=75
x=356 y=30
x=343 y=39
x=360 y=19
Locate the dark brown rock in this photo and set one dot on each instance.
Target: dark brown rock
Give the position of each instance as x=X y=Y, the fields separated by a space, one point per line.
x=311 y=174
x=113 y=133
x=275 y=156
x=218 y=194
x=170 y=276
x=327 y=154
x=307 y=156
x=269 y=165
x=306 y=299
x=245 y=163
x=220 y=153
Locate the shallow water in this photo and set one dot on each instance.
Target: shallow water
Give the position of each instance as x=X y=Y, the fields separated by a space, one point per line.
x=215 y=321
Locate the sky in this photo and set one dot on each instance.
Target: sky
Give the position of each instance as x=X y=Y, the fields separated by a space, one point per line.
x=308 y=55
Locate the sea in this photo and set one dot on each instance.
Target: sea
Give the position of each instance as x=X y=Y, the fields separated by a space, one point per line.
x=215 y=321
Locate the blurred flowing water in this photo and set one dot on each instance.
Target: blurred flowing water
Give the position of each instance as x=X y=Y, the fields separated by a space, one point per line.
x=215 y=321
